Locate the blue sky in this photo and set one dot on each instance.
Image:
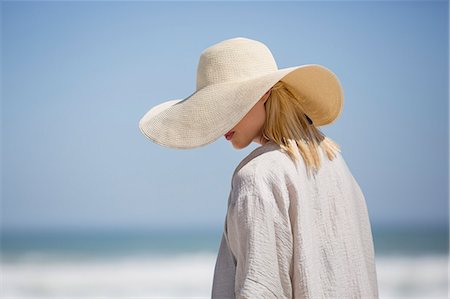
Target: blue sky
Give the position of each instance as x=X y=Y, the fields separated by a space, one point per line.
x=78 y=76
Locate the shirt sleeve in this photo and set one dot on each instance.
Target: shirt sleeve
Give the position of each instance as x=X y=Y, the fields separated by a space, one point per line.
x=260 y=241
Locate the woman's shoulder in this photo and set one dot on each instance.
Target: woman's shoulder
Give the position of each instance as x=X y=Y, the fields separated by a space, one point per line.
x=265 y=162
x=270 y=162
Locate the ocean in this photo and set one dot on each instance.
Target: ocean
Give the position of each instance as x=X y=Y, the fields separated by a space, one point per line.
x=410 y=263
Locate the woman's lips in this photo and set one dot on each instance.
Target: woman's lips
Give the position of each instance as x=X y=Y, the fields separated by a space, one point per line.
x=229 y=135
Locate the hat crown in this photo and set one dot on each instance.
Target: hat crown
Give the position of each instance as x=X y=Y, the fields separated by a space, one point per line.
x=233 y=60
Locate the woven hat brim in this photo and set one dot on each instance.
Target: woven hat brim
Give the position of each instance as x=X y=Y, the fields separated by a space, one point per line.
x=210 y=112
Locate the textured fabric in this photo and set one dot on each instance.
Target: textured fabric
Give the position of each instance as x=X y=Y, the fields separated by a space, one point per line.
x=290 y=235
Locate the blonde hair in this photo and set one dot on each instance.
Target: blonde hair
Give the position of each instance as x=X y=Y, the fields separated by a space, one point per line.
x=287 y=125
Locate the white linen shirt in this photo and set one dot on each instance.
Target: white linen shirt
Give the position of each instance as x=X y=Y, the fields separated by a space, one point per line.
x=290 y=235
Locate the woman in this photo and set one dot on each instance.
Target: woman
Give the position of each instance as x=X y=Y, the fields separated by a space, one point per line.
x=297 y=224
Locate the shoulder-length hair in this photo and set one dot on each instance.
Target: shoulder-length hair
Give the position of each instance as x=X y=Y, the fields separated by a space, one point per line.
x=287 y=125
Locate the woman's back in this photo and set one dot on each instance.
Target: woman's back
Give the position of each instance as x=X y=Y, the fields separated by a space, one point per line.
x=290 y=235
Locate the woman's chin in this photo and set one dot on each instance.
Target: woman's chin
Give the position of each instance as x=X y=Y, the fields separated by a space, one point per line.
x=239 y=145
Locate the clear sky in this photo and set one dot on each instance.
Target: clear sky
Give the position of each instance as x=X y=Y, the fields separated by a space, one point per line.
x=78 y=76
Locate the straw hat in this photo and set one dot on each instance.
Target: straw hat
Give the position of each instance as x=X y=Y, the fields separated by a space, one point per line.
x=232 y=76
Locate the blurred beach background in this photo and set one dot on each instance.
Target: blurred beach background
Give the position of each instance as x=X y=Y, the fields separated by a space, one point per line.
x=180 y=264
x=91 y=208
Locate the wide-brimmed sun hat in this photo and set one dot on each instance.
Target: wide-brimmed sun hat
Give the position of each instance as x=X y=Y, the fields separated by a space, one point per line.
x=232 y=76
